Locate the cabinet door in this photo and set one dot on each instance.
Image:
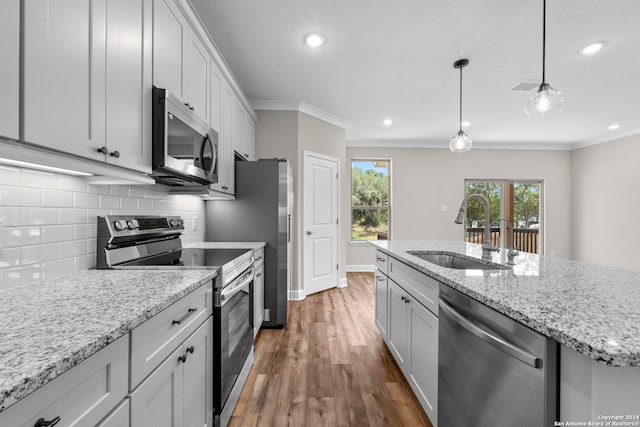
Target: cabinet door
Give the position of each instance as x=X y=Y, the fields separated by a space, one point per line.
x=158 y=402
x=226 y=180
x=398 y=324
x=128 y=82
x=119 y=417
x=258 y=299
x=423 y=375
x=170 y=32
x=198 y=377
x=9 y=71
x=215 y=97
x=57 y=40
x=382 y=303
x=250 y=136
x=197 y=76
x=238 y=129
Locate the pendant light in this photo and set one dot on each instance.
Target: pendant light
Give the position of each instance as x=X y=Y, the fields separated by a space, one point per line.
x=461 y=142
x=546 y=98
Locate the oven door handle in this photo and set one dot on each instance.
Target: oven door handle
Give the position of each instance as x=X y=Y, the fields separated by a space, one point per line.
x=236 y=287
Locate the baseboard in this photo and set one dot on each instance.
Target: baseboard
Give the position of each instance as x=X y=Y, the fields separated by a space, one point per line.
x=361 y=268
x=297 y=295
x=343 y=283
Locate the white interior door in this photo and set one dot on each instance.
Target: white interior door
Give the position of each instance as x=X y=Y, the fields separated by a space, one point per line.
x=320 y=223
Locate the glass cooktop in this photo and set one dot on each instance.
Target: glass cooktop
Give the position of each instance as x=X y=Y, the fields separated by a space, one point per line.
x=190 y=257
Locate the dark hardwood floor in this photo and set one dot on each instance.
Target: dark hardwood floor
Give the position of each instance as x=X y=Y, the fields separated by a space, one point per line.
x=328 y=367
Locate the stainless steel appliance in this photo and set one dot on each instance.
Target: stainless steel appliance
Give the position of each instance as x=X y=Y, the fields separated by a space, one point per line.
x=261 y=212
x=153 y=242
x=184 y=148
x=492 y=370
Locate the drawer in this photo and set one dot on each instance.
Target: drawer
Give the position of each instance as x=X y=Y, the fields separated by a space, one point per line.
x=158 y=337
x=382 y=262
x=258 y=255
x=419 y=285
x=82 y=396
x=119 y=417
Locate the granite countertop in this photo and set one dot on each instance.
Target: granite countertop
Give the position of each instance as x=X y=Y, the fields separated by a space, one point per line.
x=592 y=309
x=50 y=326
x=227 y=245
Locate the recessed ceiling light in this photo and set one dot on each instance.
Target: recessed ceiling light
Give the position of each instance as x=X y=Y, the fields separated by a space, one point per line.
x=592 y=48
x=466 y=124
x=387 y=122
x=314 y=39
x=614 y=126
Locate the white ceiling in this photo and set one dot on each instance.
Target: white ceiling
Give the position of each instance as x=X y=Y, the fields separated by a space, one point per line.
x=395 y=59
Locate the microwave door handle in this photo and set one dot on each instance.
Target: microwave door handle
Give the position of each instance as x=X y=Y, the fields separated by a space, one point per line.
x=207 y=141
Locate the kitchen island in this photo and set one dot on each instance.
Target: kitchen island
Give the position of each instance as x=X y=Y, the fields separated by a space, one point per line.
x=591 y=310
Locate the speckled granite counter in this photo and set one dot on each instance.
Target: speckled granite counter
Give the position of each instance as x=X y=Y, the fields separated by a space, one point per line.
x=227 y=245
x=592 y=309
x=49 y=327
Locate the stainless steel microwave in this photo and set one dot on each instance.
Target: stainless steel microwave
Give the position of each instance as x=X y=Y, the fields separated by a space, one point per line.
x=185 y=147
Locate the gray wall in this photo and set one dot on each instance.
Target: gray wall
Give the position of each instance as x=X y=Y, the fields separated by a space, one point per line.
x=605 y=182
x=423 y=180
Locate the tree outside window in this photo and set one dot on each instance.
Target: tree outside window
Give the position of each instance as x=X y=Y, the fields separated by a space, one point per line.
x=370 y=207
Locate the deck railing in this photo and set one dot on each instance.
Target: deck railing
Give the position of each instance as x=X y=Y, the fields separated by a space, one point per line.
x=525 y=239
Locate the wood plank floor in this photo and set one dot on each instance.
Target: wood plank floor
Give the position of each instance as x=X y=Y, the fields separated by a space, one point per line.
x=328 y=367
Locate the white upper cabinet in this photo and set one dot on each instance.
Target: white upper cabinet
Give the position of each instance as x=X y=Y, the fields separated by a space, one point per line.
x=243 y=131
x=222 y=98
x=180 y=59
x=87 y=85
x=10 y=69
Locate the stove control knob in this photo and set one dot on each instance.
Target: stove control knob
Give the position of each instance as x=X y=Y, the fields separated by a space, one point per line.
x=131 y=224
x=120 y=224
x=174 y=223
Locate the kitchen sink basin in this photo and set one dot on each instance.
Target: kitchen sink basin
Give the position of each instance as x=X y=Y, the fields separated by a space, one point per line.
x=456 y=261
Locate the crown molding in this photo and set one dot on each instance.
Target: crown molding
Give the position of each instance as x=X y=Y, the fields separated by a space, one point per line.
x=445 y=145
x=303 y=107
x=603 y=140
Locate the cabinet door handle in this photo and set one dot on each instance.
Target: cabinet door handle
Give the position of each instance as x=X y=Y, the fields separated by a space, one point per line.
x=182 y=358
x=115 y=154
x=44 y=423
x=183 y=318
x=380 y=279
x=381 y=259
x=259 y=275
x=191 y=349
x=102 y=150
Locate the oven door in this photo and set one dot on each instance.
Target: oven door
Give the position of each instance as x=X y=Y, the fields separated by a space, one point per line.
x=234 y=335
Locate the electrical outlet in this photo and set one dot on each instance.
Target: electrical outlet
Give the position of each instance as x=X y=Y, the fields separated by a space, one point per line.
x=194 y=222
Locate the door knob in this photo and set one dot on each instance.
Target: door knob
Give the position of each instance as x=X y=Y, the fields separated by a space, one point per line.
x=309 y=232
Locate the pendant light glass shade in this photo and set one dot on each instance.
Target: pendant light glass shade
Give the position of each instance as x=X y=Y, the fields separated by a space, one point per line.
x=545 y=99
x=461 y=142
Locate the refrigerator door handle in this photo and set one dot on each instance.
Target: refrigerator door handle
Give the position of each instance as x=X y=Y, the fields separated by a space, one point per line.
x=289 y=228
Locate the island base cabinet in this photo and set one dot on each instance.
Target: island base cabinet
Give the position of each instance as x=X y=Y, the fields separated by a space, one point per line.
x=382 y=303
x=119 y=417
x=179 y=391
x=81 y=396
x=398 y=325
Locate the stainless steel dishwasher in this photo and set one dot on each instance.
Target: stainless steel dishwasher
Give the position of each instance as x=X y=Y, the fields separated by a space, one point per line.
x=492 y=370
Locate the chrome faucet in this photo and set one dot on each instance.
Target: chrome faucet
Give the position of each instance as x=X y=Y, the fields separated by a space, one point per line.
x=512 y=251
x=487 y=247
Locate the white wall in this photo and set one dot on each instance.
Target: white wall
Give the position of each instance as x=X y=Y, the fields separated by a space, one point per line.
x=605 y=182
x=424 y=179
x=48 y=221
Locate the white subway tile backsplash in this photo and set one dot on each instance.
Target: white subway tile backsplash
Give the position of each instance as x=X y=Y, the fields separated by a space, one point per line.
x=87 y=200
x=57 y=198
x=49 y=220
x=9 y=175
x=72 y=216
x=38 y=216
x=57 y=233
x=39 y=253
x=38 y=179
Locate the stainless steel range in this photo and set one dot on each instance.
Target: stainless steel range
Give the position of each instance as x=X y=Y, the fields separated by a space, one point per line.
x=154 y=242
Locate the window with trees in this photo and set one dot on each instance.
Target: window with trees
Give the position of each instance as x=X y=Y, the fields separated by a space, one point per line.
x=515 y=213
x=370 y=208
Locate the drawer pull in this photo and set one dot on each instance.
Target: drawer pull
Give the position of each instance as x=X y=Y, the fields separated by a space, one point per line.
x=44 y=423
x=380 y=279
x=182 y=358
x=381 y=259
x=191 y=349
x=183 y=318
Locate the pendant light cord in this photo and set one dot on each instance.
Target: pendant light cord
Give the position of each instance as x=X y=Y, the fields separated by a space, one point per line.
x=460 y=121
x=544 y=35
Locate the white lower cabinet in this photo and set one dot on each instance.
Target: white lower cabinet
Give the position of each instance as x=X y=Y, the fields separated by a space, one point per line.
x=411 y=328
x=119 y=417
x=82 y=396
x=258 y=292
x=179 y=391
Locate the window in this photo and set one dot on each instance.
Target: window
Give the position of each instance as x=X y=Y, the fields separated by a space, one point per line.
x=515 y=202
x=370 y=191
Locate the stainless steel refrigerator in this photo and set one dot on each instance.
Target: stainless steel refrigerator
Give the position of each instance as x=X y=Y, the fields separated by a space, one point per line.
x=261 y=212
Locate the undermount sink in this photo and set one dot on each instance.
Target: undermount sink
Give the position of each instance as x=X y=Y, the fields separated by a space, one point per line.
x=456 y=261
